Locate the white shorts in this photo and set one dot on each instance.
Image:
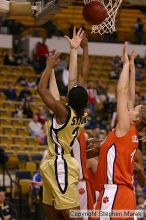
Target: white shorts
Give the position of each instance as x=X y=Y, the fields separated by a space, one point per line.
x=85 y=196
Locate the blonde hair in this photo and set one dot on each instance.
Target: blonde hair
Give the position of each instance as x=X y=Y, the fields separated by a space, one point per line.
x=143 y=123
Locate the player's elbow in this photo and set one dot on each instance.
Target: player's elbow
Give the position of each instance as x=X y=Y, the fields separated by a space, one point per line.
x=40 y=90
x=121 y=90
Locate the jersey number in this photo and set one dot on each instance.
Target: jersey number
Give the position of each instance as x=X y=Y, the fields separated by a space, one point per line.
x=74 y=134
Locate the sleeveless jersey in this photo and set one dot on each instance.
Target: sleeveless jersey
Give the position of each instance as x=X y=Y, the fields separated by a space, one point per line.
x=60 y=143
x=61 y=140
x=116 y=159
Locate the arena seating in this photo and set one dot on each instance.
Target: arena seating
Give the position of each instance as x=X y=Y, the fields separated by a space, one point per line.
x=126 y=19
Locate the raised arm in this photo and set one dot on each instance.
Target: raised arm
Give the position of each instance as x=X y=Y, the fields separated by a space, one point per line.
x=56 y=106
x=82 y=79
x=74 y=44
x=131 y=99
x=53 y=88
x=123 y=124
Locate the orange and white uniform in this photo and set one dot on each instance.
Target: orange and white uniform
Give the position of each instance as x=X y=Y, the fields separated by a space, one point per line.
x=115 y=171
x=91 y=181
x=85 y=193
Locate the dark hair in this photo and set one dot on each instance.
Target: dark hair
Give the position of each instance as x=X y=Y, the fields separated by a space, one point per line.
x=3 y=157
x=78 y=99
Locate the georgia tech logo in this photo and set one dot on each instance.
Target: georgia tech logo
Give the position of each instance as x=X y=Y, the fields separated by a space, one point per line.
x=134 y=139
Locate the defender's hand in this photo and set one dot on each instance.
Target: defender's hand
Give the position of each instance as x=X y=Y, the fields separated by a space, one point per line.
x=124 y=57
x=132 y=57
x=76 y=40
x=53 y=59
x=84 y=41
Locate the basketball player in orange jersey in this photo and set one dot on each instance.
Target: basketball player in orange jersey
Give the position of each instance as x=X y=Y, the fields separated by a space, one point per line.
x=117 y=155
x=139 y=169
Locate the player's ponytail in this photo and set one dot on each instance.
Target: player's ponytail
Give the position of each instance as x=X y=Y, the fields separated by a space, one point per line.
x=143 y=113
x=143 y=133
x=143 y=123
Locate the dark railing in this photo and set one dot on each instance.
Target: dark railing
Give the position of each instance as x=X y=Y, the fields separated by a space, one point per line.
x=6 y=171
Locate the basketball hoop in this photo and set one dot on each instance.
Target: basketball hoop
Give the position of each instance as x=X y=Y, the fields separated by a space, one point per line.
x=108 y=25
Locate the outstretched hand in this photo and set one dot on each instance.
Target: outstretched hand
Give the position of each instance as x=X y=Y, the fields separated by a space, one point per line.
x=84 y=41
x=132 y=57
x=53 y=59
x=124 y=57
x=76 y=40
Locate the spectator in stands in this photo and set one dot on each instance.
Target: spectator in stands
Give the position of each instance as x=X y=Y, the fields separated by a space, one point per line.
x=42 y=115
x=7 y=211
x=35 y=127
x=10 y=93
x=101 y=91
x=21 y=58
x=138 y=95
x=138 y=74
x=4 y=26
x=91 y=121
x=92 y=98
x=9 y=59
x=139 y=62
x=31 y=83
x=141 y=205
x=40 y=53
x=22 y=81
x=18 y=113
x=36 y=185
x=25 y=93
x=27 y=111
x=111 y=96
x=139 y=31
x=116 y=62
x=114 y=73
x=65 y=75
x=42 y=138
x=61 y=66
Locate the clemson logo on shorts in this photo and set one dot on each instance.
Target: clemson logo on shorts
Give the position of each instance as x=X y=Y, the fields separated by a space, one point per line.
x=105 y=199
x=81 y=191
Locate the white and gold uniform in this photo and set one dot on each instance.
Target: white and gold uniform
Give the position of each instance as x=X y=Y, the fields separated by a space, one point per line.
x=60 y=172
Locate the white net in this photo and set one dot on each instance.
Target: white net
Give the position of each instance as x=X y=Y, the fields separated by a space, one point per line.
x=108 y=25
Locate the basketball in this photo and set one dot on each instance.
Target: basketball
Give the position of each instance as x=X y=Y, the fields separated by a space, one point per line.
x=94 y=12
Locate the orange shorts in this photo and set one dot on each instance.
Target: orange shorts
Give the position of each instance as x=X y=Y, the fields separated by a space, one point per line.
x=115 y=197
